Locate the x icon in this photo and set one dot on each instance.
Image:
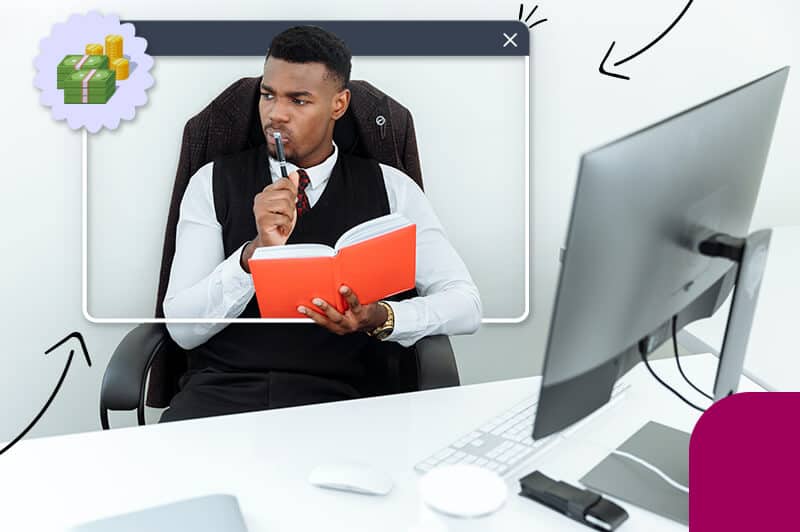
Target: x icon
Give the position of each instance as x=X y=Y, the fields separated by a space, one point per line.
x=510 y=40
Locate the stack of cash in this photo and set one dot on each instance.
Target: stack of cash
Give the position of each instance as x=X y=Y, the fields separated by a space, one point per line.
x=72 y=63
x=94 y=49
x=113 y=47
x=90 y=86
x=121 y=67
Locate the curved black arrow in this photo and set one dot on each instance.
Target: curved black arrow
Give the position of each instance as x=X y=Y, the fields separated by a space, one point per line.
x=58 y=386
x=603 y=69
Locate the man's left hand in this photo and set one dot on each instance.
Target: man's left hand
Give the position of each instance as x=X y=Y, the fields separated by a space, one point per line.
x=356 y=318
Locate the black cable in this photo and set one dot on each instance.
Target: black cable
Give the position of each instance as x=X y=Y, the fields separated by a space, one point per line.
x=678 y=359
x=664 y=384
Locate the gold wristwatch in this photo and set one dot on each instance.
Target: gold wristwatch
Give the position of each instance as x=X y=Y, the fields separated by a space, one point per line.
x=382 y=331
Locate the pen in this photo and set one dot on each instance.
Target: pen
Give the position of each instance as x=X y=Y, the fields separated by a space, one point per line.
x=281 y=154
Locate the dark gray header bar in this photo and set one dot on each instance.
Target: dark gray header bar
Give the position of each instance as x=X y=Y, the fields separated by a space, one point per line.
x=363 y=37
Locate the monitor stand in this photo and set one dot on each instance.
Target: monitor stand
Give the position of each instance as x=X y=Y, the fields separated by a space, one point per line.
x=665 y=448
x=668 y=448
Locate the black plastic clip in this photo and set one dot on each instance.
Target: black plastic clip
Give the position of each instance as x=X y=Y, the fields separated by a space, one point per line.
x=584 y=506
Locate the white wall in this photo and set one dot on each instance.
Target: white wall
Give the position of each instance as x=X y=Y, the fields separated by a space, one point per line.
x=720 y=44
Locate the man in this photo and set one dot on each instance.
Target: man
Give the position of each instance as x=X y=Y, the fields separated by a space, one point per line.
x=239 y=203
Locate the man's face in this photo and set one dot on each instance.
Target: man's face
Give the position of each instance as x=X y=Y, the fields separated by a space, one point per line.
x=302 y=102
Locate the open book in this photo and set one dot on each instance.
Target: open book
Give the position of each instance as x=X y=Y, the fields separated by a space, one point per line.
x=376 y=259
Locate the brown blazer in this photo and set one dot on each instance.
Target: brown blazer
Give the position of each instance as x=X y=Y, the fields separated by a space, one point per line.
x=374 y=126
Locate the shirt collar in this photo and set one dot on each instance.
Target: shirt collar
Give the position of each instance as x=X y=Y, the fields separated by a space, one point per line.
x=318 y=174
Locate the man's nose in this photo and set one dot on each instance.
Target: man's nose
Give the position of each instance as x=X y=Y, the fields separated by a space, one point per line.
x=278 y=112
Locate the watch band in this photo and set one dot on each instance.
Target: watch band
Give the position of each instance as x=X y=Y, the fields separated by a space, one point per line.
x=582 y=505
x=387 y=327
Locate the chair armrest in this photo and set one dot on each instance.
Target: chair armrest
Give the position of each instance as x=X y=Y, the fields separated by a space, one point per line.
x=436 y=363
x=125 y=377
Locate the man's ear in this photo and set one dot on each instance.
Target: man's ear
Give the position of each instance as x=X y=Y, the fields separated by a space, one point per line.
x=341 y=101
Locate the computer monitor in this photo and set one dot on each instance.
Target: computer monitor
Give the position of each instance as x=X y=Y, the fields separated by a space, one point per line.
x=651 y=212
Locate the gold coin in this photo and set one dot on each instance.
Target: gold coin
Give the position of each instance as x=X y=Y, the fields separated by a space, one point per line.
x=121 y=67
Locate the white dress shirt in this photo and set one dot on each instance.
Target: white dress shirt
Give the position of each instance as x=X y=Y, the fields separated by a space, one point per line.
x=204 y=284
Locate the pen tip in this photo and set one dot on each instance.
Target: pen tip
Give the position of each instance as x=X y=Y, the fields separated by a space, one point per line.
x=276 y=134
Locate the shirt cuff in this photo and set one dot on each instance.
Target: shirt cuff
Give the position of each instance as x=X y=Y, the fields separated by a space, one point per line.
x=406 y=323
x=236 y=283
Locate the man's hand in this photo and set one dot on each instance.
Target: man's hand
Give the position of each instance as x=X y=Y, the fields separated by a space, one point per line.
x=357 y=318
x=275 y=212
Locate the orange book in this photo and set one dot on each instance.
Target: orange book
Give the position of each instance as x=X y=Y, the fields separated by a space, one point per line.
x=376 y=259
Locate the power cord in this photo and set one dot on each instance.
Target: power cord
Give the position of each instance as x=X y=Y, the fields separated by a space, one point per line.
x=678 y=359
x=667 y=386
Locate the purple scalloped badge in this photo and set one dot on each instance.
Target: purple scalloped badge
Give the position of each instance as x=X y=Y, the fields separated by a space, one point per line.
x=71 y=37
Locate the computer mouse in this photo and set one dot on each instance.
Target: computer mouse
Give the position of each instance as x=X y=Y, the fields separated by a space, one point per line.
x=463 y=490
x=353 y=477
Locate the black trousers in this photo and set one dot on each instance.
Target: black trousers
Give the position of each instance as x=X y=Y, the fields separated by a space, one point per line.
x=211 y=392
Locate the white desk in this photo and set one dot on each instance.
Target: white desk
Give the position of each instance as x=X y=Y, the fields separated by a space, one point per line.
x=773 y=352
x=264 y=459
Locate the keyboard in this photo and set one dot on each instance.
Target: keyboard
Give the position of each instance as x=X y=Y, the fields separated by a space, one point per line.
x=501 y=443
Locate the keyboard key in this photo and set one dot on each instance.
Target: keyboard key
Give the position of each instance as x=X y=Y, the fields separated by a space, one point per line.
x=469 y=459
x=459 y=455
x=444 y=453
x=506 y=445
x=502 y=428
x=505 y=456
x=481 y=462
x=477 y=443
x=523 y=454
x=519 y=408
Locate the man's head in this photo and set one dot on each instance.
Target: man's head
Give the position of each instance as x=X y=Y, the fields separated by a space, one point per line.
x=304 y=91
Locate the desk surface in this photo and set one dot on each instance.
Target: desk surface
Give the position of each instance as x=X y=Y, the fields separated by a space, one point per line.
x=264 y=458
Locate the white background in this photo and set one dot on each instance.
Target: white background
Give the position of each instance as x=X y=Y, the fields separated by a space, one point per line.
x=719 y=45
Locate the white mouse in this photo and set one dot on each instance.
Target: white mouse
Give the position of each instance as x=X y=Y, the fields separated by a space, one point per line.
x=357 y=478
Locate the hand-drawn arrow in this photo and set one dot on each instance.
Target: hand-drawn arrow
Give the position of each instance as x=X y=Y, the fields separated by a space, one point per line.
x=603 y=69
x=58 y=386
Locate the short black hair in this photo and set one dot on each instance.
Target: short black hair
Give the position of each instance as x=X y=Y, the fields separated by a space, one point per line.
x=312 y=44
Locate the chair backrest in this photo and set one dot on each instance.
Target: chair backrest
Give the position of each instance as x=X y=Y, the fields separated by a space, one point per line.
x=375 y=126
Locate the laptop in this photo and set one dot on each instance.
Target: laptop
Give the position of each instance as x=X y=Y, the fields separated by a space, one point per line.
x=211 y=513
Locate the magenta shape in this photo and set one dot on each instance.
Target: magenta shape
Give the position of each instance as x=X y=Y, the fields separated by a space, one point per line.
x=744 y=465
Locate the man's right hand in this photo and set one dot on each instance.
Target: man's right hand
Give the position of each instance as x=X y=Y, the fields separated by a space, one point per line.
x=275 y=212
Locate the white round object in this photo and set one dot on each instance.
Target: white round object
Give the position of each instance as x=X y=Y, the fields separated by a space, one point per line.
x=463 y=490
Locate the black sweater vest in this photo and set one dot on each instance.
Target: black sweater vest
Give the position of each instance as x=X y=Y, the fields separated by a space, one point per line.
x=354 y=194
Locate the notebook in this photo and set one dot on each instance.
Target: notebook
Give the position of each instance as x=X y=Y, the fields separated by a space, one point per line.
x=376 y=259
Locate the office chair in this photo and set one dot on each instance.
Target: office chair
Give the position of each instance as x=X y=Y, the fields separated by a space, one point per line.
x=375 y=126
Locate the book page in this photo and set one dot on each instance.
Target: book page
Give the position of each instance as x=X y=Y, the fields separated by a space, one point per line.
x=371 y=229
x=293 y=251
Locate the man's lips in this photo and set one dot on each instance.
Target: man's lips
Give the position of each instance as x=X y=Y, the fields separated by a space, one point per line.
x=284 y=138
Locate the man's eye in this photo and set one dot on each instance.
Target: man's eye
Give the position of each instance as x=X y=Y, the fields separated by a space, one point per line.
x=266 y=96
x=299 y=102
